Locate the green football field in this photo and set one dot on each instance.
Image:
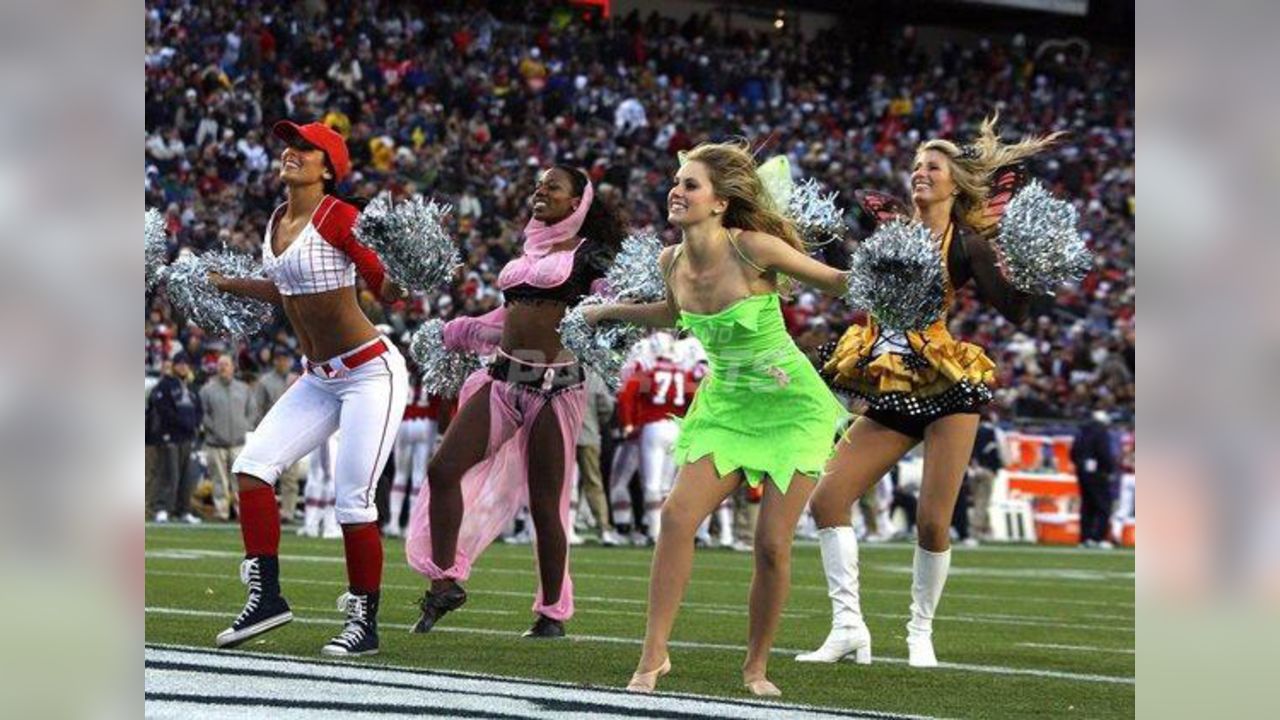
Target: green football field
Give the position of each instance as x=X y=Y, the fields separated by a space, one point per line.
x=1021 y=631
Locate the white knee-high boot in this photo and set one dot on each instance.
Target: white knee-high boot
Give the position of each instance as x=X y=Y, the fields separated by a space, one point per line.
x=928 y=576
x=849 y=632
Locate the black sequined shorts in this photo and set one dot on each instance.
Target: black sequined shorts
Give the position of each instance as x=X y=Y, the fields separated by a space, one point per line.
x=910 y=415
x=913 y=425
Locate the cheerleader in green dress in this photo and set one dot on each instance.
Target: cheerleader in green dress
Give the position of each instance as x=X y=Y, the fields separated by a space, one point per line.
x=762 y=416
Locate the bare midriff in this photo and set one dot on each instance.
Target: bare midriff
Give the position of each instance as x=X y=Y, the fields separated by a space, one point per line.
x=531 y=332
x=328 y=324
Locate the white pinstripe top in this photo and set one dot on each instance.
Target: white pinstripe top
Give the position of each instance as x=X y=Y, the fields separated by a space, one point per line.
x=310 y=264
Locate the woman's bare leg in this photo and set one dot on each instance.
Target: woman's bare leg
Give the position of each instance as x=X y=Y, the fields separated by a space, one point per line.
x=546 y=483
x=464 y=445
x=771 y=581
x=698 y=491
x=862 y=457
x=948 y=443
x=866 y=452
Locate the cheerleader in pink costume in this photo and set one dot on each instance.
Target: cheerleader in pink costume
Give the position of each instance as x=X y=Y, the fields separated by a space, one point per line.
x=513 y=439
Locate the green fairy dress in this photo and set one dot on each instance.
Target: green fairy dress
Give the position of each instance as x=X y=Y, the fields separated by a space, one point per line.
x=762 y=408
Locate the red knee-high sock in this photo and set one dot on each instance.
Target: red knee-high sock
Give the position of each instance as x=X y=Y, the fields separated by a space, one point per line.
x=364 y=557
x=259 y=521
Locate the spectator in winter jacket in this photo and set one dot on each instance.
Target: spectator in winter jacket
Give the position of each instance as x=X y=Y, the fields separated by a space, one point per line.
x=1094 y=459
x=229 y=412
x=177 y=416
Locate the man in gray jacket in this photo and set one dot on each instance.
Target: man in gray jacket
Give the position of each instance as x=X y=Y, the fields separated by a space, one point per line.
x=600 y=404
x=228 y=414
x=271 y=385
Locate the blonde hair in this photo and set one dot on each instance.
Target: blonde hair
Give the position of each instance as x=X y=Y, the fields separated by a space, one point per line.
x=973 y=166
x=732 y=169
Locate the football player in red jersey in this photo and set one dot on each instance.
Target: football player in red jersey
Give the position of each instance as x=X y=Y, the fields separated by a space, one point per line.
x=647 y=402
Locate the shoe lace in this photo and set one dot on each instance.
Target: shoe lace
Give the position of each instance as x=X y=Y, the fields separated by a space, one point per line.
x=356 y=607
x=251 y=575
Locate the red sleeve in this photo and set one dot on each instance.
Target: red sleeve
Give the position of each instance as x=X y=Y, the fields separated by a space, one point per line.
x=628 y=410
x=336 y=224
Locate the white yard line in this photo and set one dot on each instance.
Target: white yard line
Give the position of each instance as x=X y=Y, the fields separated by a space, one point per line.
x=684 y=644
x=696 y=607
x=197 y=553
x=706 y=558
x=530 y=572
x=708 y=608
x=698 y=565
x=1081 y=648
x=862 y=546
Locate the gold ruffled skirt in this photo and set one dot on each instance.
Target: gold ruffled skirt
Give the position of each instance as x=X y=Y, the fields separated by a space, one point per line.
x=939 y=373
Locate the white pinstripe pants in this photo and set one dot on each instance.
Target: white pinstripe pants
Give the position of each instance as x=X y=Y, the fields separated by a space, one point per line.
x=366 y=403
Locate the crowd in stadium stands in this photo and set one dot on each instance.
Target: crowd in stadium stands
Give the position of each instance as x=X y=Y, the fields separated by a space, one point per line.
x=465 y=103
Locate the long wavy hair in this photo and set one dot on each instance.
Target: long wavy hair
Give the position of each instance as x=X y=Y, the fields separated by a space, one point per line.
x=732 y=169
x=973 y=165
x=602 y=224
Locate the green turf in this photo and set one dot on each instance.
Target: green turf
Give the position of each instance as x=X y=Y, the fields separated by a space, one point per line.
x=1000 y=603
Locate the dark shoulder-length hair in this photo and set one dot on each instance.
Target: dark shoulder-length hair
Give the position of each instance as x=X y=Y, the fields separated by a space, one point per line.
x=331 y=188
x=603 y=224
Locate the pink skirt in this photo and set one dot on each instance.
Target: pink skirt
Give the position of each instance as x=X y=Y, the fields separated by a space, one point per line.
x=495 y=489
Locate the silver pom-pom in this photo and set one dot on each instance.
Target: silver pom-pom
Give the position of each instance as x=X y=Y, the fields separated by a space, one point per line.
x=635 y=275
x=443 y=371
x=155 y=246
x=1038 y=243
x=815 y=214
x=604 y=346
x=190 y=291
x=896 y=276
x=411 y=238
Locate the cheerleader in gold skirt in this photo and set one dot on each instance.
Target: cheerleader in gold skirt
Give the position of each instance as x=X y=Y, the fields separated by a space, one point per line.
x=920 y=387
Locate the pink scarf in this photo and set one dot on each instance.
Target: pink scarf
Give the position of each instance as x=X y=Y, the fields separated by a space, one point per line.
x=538 y=265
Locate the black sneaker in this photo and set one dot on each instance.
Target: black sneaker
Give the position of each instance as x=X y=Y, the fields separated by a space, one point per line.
x=435 y=604
x=545 y=627
x=360 y=635
x=265 y=609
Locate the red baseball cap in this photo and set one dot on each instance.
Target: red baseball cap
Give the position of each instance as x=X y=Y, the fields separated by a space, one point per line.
x=323 y=137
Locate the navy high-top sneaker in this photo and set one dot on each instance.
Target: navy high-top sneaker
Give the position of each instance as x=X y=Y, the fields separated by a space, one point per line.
x=265 y=609
x=360 y=634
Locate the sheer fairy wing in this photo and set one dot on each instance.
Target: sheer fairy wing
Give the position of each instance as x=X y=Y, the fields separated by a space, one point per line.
x=1005 y=182
x=775 y=173
x=878 y=207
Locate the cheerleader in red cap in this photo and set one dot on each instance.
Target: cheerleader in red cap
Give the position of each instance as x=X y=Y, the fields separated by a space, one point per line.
x=355 y=381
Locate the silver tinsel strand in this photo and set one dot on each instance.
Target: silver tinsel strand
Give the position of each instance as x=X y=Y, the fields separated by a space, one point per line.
x=635 y=275
x=155 y=243
x=603 y=347
x=815 y=214
x=896 y=276
x=190 y=291
x=411 y=238
x=1038 y=242
x=443 y=371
